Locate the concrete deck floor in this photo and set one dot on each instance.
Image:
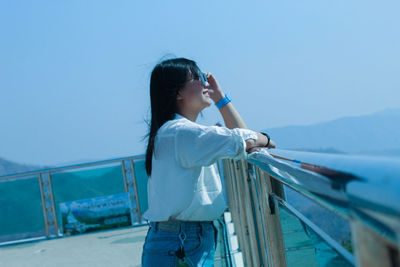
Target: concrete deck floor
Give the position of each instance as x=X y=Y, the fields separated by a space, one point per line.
x=111 y=248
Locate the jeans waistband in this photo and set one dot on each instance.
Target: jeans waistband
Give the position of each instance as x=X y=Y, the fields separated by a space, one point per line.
x=175 y=226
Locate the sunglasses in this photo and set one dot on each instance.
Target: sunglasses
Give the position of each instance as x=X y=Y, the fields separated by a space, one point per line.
x=203 y=78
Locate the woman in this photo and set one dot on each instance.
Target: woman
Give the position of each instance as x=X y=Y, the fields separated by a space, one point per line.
x=184 y=187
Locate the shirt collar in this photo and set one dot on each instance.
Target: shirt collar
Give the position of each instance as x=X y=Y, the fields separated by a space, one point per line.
x=178 y=116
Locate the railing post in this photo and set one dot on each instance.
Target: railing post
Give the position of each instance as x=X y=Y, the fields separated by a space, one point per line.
x=232 y=182
x=49 y=214
x=128 y=172
x=245 y=186
x=371 y=249
x=257 y=224
x=254 y=189
x=271 y=218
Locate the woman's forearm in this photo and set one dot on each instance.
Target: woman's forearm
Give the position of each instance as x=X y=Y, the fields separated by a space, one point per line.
x=230 y=115
x=233 y=120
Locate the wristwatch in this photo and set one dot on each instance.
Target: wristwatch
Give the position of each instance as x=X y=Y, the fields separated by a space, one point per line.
x=267 y=137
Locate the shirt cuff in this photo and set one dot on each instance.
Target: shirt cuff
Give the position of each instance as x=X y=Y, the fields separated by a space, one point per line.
x=247 y=134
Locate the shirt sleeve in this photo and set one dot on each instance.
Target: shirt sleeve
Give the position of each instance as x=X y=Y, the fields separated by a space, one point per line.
x=199 y=145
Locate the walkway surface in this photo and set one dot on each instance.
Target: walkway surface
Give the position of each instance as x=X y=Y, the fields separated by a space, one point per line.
x=117 y=247
x=121 y=247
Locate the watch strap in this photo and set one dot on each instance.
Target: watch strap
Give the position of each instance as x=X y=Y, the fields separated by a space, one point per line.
x=223 y=101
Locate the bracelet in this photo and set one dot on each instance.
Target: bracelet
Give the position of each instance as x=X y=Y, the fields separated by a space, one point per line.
x=223 y=101
x=267 y=137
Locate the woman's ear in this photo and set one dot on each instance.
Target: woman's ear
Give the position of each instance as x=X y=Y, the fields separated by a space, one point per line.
x=178 y=96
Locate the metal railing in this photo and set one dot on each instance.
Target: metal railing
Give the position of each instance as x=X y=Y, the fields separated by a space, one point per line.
x=33 y=196
x=271 y=227
x=273 y=231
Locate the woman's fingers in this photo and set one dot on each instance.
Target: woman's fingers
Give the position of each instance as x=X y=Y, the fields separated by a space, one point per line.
x=254 y=149
x=214 y=89
x=212 y=81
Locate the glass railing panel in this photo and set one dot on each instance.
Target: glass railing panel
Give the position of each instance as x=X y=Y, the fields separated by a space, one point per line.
x=303 y=246
x=141 y=183
x=332 y=224
x=21 y=213
x=96 y=186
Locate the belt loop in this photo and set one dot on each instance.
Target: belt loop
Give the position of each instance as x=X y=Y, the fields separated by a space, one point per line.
x=155 y=227
x=202 y=230
x=215 y=233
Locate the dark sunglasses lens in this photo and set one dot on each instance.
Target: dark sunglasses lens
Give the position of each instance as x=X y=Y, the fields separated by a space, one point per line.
x=203 y=78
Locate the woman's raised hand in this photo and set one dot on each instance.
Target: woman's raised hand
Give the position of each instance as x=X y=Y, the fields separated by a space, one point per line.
x=215 y=90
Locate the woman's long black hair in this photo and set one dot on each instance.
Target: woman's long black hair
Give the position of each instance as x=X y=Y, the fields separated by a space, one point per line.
x=167 y=78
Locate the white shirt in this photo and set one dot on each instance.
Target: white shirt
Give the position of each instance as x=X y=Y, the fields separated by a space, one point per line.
x=185 y=183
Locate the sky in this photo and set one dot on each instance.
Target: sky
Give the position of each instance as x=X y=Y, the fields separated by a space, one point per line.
x=74 y=75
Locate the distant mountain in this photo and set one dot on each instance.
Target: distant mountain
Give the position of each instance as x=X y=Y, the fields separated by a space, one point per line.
x=377 y=133
x=9 y=167
x=75 y=162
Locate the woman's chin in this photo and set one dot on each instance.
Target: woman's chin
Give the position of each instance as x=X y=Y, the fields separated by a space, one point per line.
x=206 y=105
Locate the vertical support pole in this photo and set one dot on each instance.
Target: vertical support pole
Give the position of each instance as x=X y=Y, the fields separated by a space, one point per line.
x=247 y=251
x=49 y=213
x=128 y=172
x=236 y=208
x=263 y=201
x=253 y=180
x=271 y=219
x=248 y=207
x=371 y=249
x=136 y=189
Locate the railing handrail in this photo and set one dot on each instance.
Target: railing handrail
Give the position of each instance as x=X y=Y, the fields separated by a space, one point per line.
x=63 y=168
x=363 y=189
x=342 y=183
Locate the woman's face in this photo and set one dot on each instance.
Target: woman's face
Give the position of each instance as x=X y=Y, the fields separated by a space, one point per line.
x=194 y=95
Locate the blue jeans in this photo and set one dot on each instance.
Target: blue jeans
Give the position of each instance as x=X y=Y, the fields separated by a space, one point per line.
x=199 y=243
